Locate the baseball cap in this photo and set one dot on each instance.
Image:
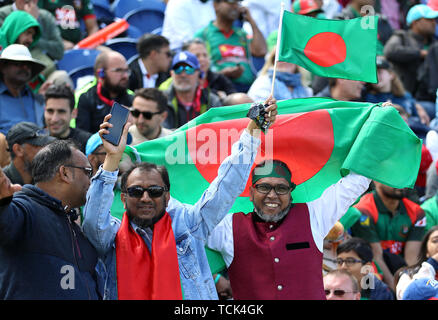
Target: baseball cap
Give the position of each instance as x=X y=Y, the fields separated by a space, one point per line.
x=420 y=11
x=19 y=52
x=381 y=63
x=305 y=6
x=421 y=289
x=28 y=132
x=94 y=141
x=187 y=58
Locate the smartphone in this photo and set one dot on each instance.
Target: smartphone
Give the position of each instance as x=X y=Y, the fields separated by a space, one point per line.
x=119 y=116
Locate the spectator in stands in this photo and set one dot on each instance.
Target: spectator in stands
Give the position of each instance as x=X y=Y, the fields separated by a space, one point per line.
x=288 y=84
x=361 y=8
x=44 y=254
x=68 y=15
x=94 y=101
x=342 y=89
x=390 y=88
x=95 y=151
x=341 y=285
x=17 y=102
x=266 y=13
x=5 y=156
x=50 y=42
x=59 y=111
x=356 y=256
x=149 y=110
x=427 y=263
x=394 y=227
x=186 y=98
x=216 y=82
x=183 y=18
x=228 y=46
x=24 y=139
x=407 y=49
x=152 y=66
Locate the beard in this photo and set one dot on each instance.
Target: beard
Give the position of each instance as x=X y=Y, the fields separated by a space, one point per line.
x=269 y=217
x=117 y=89
x=146 y=222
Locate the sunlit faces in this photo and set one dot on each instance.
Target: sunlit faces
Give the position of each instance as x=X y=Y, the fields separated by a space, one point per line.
x=57 y=115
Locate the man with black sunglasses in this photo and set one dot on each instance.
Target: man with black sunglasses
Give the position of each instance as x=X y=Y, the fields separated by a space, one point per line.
x=149 y=111
x=157 y=250
x=282 y=238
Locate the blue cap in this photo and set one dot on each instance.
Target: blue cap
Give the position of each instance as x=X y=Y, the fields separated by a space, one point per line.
x=95 y=141
x=92 y=144
x=421 y=289
x=187 y=58
x=420 y=11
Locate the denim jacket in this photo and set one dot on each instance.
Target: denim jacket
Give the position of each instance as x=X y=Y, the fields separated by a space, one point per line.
x=191 y=224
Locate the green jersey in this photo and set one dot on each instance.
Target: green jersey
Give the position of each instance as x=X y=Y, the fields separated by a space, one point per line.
x=68 y=15
x=228 y=50
x=378 y=224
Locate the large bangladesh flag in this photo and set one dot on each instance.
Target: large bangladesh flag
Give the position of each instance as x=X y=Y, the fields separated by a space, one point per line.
x=330 y=48
x=321 y=139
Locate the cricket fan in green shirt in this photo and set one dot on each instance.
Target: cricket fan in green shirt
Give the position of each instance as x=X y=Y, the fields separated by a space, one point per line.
x=229 y=47
x=393 y=225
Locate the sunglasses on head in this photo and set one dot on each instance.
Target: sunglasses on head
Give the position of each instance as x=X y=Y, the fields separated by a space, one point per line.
x=265 y=188
x=153 y=191
x=146 y=114
x=336 y=292
x=188 y=69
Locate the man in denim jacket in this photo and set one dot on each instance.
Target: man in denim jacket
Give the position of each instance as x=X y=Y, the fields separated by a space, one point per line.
x=191 y=224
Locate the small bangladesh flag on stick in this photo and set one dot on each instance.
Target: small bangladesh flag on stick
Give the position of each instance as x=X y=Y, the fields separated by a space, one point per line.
x=320 y=139
x=330 y=48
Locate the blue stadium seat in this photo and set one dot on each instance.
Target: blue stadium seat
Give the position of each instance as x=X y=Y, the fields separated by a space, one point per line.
x=146 y=19
x=126 y=46
x=78 y=62
x=123 y=7
x=103 y=10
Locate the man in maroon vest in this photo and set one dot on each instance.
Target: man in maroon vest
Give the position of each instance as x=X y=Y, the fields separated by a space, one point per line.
x=275 y=252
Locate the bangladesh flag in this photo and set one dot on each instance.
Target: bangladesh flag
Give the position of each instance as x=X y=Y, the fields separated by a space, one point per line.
x=330 y=48
x=320 y=139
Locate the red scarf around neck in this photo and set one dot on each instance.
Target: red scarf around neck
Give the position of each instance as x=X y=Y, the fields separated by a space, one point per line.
x=142 y=275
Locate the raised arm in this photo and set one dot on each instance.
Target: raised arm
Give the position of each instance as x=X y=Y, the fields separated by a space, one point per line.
x=98 y=225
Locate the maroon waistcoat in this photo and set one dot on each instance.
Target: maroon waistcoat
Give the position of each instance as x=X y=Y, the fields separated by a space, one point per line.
x=276 y=260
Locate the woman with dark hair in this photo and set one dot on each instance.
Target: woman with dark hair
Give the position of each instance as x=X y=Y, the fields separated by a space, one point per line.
x=426 y=266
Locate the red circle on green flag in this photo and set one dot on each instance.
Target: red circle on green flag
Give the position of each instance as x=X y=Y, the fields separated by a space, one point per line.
x=304 y=141
x=326 y=49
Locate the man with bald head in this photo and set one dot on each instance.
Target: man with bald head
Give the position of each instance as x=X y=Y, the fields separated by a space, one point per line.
x=96 y=99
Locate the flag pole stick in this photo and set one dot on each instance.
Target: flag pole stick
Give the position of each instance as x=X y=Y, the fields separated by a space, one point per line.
x=277 y=48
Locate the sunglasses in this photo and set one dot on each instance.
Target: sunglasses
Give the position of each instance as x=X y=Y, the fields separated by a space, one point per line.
x=337 y=292
x=188 y=69
x=153 y=191
x=265 y=188
x=146 y=114
x=88 y=171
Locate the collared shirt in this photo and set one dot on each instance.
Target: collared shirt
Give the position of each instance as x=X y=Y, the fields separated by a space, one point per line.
x=17 y=109
x=323 y=212
x=138 y=138
x=148 y=80
x=191 y=224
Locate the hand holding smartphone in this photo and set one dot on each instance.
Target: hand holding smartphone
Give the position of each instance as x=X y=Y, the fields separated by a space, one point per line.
x=119 y=116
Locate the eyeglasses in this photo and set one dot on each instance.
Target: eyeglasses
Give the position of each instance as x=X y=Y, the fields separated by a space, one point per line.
x=153 y=191
x=188 y=69
x=337 y=292
x=88 y=171
x=146 y=114
x=348 y=261
x=121 y=71
x=265 y=188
